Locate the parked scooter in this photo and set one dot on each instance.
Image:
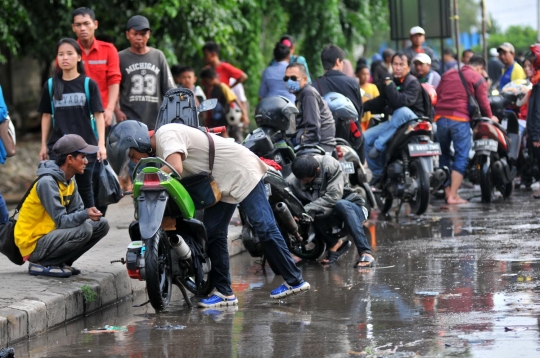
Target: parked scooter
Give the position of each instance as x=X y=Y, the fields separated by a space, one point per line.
x=350 y=143
x=168 y=244
x=408 y=167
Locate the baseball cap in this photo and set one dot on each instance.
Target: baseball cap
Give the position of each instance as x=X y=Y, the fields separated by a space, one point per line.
x=422 y=57
x=71 y=143
x=138 y=23
x=493 y=52
x=417 y=30
x=507 y=47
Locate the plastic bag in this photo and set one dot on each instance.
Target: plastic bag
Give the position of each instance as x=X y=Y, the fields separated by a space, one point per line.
x=110 y=191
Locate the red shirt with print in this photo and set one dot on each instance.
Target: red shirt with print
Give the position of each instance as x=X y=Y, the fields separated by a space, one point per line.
x=226 y=71
x=102 y=64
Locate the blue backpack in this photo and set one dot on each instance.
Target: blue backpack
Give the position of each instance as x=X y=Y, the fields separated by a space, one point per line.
x=87 y=92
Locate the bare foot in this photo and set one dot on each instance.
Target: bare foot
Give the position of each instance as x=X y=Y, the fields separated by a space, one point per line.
x=333 y=249
x=456 y=201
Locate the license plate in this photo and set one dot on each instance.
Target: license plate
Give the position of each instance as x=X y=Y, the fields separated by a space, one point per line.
x=348 y=167
x=268 y=190
x=485 y=144
x=424 y=150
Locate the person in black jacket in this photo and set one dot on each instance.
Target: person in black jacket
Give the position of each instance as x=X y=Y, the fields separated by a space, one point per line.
x=334 y=80
x=402 y=99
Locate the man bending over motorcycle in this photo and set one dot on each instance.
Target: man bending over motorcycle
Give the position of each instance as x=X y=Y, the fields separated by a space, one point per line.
x=238 y=174
x=314 y=122
x=319 y=182
x=401 y=100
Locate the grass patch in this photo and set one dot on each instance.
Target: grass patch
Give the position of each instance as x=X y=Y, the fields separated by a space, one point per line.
x=88 y=294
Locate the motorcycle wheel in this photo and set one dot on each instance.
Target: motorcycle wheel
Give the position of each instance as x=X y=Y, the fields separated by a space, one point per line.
x=486 y=186
x=420 y=204
x=310 y=251
x=205 y=287
x=384 y=203
x=158 y=264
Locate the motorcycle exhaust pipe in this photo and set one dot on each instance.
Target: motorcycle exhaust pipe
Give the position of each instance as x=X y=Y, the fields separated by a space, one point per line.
x=284 y=215
x=180 y=247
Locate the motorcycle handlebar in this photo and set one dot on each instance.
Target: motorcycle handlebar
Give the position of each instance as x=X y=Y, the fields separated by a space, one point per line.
x=217 y=129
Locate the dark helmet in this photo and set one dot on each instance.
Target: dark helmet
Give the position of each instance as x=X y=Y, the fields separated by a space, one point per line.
x=125 y=135
x=276 y=112
x=340 y=106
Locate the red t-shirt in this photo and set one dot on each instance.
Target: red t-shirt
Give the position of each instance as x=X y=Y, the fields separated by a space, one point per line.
x=226 y=71
x=102 y=64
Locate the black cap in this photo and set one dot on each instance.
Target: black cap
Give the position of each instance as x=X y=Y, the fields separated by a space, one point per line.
x=71 y=143
x=138 y=23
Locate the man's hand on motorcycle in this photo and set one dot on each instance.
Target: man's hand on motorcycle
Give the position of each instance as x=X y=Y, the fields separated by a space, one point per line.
x=94 y=214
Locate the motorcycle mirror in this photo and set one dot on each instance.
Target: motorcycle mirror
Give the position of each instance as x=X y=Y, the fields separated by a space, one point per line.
x=207 y=105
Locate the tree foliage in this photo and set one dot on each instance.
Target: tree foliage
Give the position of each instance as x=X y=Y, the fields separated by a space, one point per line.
x=520 y=36
x=247 y=30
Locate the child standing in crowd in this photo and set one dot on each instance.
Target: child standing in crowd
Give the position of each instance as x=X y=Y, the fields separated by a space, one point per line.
x=184 y=76
x=71 y=104
x=370 y=91
x=216 y=89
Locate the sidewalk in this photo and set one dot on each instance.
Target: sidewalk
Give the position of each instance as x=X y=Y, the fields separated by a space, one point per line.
x=30 y=305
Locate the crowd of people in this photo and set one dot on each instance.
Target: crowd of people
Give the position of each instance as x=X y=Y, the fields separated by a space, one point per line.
x=95 y=87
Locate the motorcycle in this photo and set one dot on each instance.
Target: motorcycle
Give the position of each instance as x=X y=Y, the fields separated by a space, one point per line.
x=168 y=239
x=493 y=165
x=408 y=167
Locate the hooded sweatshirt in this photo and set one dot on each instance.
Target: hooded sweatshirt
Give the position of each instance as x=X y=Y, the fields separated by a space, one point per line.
x=53 y=203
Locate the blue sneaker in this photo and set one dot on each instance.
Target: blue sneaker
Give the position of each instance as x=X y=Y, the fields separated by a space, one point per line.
x=287 y=290
x=217 y=300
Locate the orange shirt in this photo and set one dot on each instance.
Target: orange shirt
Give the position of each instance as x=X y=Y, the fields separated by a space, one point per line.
x=102 y=64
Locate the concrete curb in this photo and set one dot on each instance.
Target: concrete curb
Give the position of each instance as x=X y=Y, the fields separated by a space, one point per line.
x=57 y=305
x=35 y=314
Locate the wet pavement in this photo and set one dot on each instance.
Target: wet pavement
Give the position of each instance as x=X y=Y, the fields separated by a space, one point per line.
x=458 y=281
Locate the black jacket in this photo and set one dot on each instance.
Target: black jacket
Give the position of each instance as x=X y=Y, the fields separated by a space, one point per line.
x=337 y=81
x=533 y=114
x=314 y=122
x=399 y=94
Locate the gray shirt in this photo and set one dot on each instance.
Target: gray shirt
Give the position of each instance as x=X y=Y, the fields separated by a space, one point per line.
x=145 y=79
x=314 y=122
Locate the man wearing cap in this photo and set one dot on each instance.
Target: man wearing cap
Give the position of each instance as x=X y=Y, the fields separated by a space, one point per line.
x=512 y=70
x=53 y=229
x=495 y=66
x=145 y=75
x=422 y=65
x=418 y=37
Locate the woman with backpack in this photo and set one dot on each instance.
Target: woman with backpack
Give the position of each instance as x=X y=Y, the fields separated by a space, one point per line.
x=71 y=104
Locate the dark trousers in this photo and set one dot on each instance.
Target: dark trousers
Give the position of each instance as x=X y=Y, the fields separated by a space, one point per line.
x=353 y=218
x=84 y=185
x=4 y=214
x=261 y=217
x=65 y=246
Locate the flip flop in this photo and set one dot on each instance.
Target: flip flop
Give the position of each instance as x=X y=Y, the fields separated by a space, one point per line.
x=365 y=258
x=333 y=256
x=536 y=196
x=74 y=271
x=51 y=271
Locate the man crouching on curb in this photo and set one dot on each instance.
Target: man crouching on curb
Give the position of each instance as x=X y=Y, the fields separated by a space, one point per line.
x=53 y=229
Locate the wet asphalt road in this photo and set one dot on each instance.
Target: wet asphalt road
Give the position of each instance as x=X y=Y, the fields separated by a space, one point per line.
x=458 y=281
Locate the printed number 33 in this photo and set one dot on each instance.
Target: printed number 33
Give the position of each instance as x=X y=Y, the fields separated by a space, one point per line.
x=146 y=84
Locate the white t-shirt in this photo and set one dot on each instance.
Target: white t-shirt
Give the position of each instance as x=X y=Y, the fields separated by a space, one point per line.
x=236 y=170
x=238 y=90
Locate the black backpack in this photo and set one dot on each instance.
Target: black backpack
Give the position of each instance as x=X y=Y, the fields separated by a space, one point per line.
x=178 y=106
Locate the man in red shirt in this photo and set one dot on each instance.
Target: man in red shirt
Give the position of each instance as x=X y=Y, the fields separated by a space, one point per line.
x=224 y=70
x=100 y=59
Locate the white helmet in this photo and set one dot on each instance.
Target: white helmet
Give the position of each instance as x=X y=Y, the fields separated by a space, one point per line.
x=234 y=115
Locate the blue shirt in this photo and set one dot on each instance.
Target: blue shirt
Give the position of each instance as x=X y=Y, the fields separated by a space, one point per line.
x=3 y=107
x=272 y=82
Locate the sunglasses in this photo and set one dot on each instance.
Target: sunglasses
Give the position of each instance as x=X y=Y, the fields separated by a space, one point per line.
x=286 y=78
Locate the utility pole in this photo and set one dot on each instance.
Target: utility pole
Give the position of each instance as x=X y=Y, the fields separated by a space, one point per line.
x=456 y=18
x=484 y=43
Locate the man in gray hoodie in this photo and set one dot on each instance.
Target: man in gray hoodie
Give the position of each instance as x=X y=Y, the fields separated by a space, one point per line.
x=53 y=229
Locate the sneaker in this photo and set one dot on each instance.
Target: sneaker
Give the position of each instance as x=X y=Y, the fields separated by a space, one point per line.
x=286 y=290
x=217 y=300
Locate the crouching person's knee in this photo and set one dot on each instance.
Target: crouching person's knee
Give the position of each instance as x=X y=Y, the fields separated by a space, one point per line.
x=99 y=228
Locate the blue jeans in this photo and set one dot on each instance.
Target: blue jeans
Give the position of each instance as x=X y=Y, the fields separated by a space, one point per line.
x=449 y=131
x=260 y=215
x=353 y=218
x=4 y=214
x=379 y=135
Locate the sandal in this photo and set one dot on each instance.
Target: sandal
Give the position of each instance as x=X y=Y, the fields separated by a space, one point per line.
x=74 y=270
x=333 y=256
x=536 y=196
x=365 y=258
x=52 y=271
